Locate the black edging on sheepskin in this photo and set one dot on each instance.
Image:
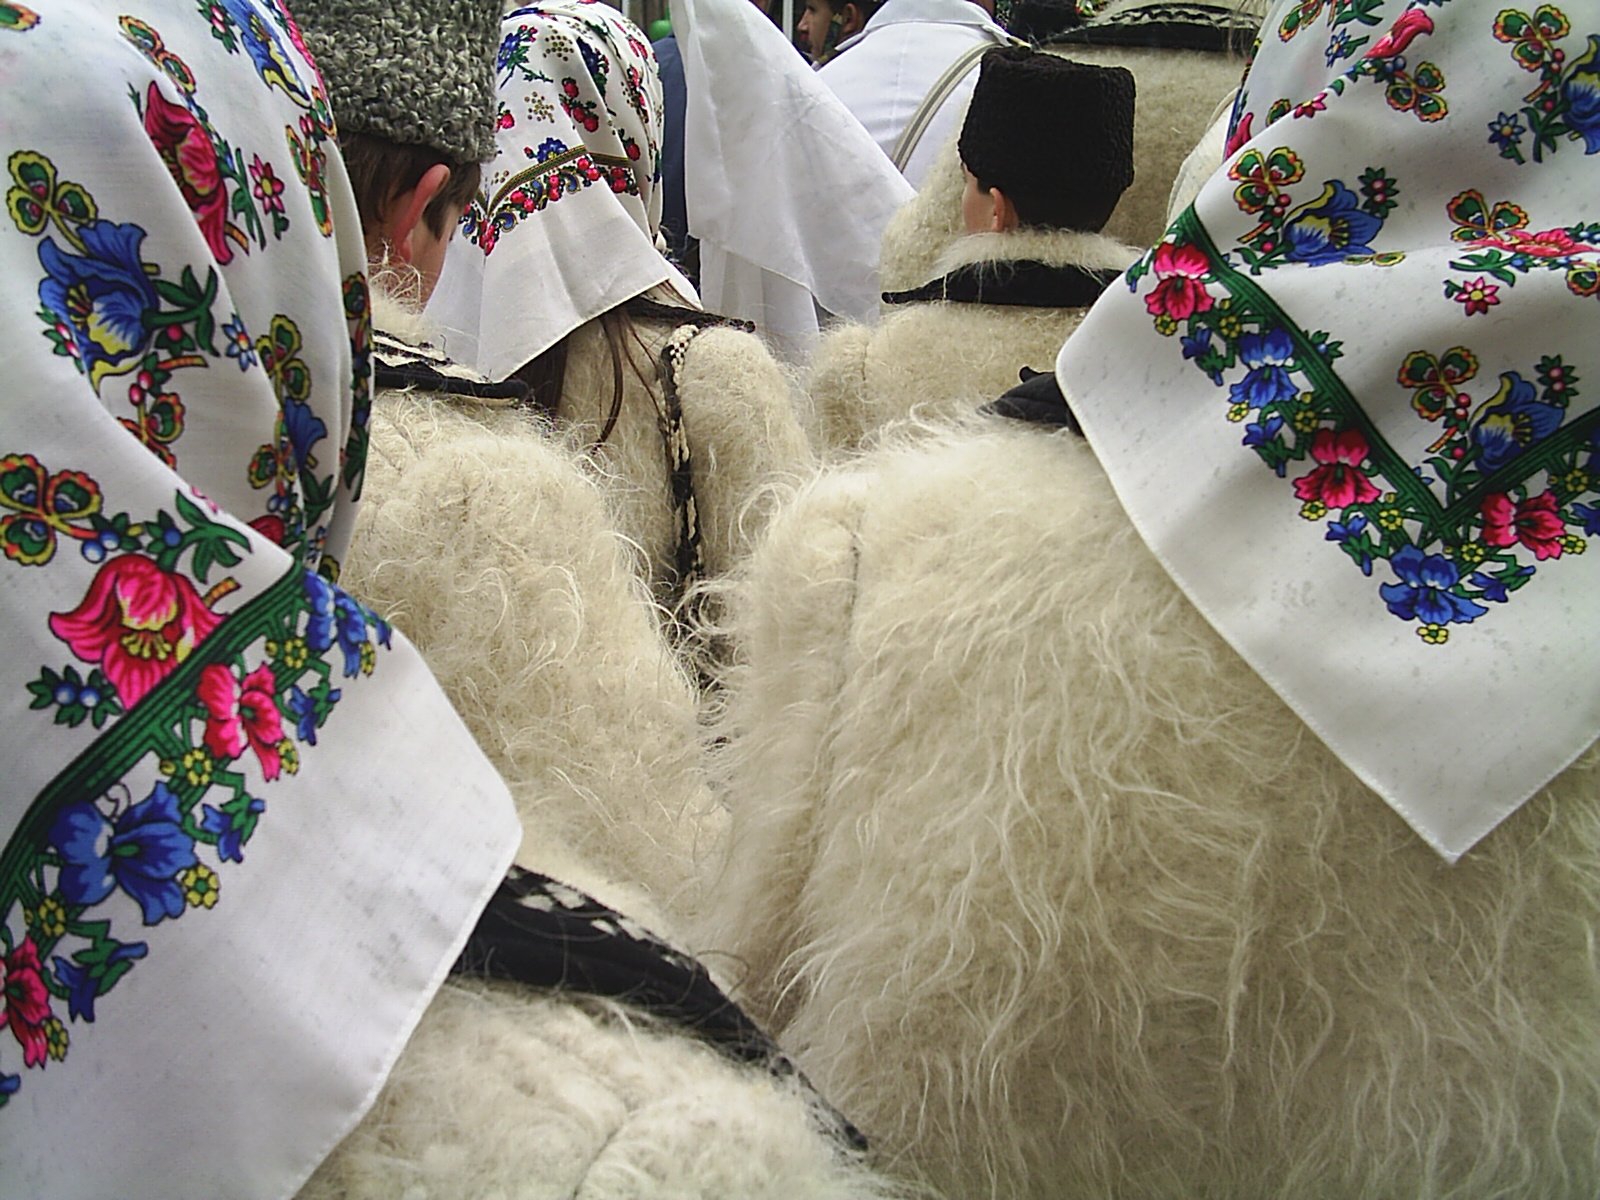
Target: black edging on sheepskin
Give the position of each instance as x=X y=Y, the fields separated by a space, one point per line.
x=1023 y=283
x=546 y=934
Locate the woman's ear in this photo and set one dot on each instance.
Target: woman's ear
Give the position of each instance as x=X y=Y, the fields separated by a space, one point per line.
x=406 y=212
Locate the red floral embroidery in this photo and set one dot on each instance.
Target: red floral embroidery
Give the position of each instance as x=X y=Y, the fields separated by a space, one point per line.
x=1534 y=522
x=1240 y=136
x=1339 y=482
x=137 y=622
x=270 y=527
x=185 y=146
x=1476 y=295
x=1411 y=25
x=1547 y=243
x=26 y=1001
x=242 y=714
x=1179 y=294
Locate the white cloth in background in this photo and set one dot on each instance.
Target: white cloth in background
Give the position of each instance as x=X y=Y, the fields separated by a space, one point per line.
x=883 y=72
x=564 y=226
x=787 y=193
x=1349 y=399
x=242 y=834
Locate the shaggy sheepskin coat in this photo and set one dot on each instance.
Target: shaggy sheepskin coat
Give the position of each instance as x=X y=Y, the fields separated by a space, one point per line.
x=1044 y=885
x=485 y=539
x=1177 y=92
x=935 y=356
x=738 y=417
x=482 y=536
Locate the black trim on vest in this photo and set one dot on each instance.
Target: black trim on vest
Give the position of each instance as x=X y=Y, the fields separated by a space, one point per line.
x=398 y=363
x=546 y=934
x=420 y=375
x=1025 y=283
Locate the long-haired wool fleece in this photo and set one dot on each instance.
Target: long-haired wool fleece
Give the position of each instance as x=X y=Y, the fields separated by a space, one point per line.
x=1041 y=883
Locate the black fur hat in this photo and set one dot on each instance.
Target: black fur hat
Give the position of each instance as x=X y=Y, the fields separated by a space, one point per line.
x=1054 y=135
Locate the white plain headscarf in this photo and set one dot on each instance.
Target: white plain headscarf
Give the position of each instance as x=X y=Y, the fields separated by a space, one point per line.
x=786 y=189
x=1349 y=400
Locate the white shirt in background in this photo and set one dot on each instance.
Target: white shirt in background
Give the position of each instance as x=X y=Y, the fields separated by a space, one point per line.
x=883 y=72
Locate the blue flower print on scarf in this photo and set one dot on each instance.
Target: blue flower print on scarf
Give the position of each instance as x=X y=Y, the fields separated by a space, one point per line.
x=597 y=64
x=265 y=50
x=1498 y=588
x=305 y=430
x=102 y=297
x=141 y=853
x=1423 y=593
x=1348 y=535
x=319 y=622
x=1511 y=420
x=86 y=980
x=303 y=711
x=230 y=830
x=1581 y=91
x=1267 y=382
x=1259 y=433
x=352 y=630
x=548 y=149
x=336 y=617
x=508 y=47
x=1332 y=227
x=1197 y=346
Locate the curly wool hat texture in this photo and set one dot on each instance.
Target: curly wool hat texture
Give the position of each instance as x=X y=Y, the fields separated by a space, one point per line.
x=420 y=72
x=1048 y=126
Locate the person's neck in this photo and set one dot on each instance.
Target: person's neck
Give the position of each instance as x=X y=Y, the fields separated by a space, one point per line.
x=397 y=301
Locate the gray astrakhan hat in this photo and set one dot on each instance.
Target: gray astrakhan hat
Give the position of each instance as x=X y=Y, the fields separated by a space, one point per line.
x=419 y=72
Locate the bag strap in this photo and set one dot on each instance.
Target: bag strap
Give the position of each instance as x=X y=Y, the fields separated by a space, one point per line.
x=688 y=563
x=906 y=144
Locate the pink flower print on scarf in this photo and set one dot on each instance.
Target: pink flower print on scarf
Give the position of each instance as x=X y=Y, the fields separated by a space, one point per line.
x=186 y=148
x=1179 y=294
x=25 y=1002
x=1339 y=482
x=241 y=714
x=138 y=623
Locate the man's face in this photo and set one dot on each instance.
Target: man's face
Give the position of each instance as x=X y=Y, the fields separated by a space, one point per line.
x=813 y=25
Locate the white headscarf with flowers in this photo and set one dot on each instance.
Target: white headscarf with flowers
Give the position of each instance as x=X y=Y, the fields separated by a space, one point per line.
x=224 y=897
x=564 y=228
x=1349 y=400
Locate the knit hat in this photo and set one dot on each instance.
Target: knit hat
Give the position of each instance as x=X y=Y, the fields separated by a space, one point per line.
x=1054 y=135
x=418 y=72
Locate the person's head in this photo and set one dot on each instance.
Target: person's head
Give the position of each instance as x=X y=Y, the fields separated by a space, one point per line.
x=410 y=200
x=416 y=115
x=1047 y=143
x=826 y=23
x=574 y=182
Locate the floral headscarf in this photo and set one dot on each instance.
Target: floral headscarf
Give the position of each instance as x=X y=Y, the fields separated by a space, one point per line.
x=223 y=897
x=1348 y=398
x=564 y=228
